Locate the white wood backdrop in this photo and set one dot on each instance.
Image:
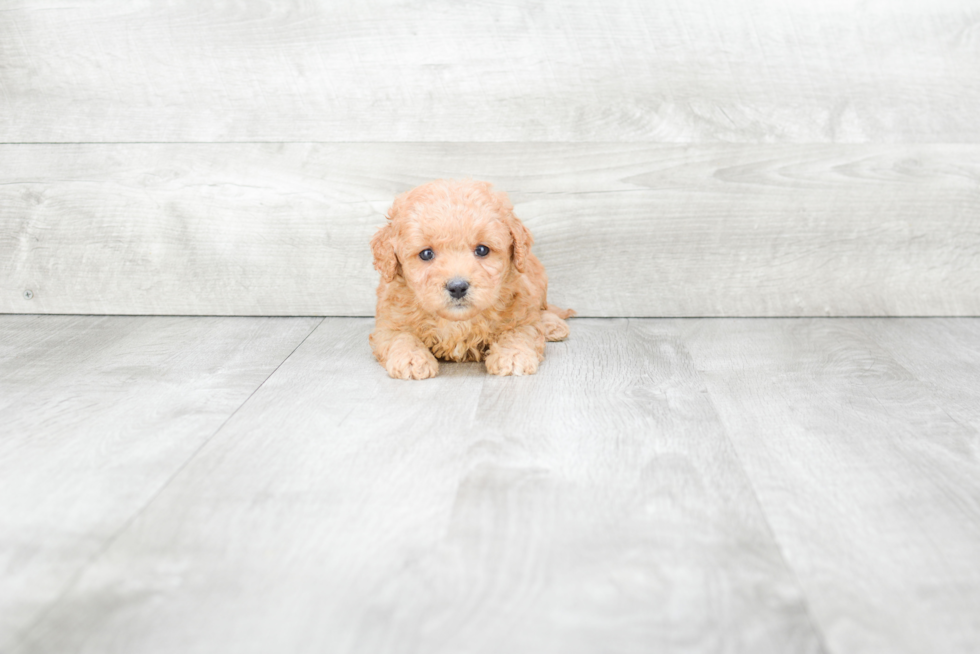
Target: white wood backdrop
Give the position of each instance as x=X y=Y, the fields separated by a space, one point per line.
x=673 y=158
x=422 y=70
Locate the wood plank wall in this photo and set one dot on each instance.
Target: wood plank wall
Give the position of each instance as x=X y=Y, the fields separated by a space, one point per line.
x=673 y=158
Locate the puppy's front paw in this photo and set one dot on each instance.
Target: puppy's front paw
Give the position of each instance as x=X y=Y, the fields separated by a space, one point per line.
x=411 y=363
x=512 y=361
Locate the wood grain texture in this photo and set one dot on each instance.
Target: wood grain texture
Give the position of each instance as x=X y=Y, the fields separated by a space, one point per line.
x=623 y=229
x=97 y=414
x=942 y=354
x=674 y=71
x=872 y=488
x=596 y=506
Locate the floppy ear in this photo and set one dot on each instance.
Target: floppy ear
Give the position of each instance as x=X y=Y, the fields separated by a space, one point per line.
x=522 y=237
x=383 y=246
x=522 y=242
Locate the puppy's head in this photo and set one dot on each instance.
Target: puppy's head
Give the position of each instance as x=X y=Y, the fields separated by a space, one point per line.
x=456 y=244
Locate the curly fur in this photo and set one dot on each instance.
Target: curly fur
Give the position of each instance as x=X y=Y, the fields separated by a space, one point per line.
x=504 y=319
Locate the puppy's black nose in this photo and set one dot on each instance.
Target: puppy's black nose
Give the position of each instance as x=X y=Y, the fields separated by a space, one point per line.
x=457 y=287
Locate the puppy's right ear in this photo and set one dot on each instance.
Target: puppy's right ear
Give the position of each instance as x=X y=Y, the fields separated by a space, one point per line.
x=383 y=246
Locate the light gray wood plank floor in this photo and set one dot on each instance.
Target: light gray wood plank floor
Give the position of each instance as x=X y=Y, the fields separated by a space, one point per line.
x=96 y=416
x=860 y=439
x=714 y=485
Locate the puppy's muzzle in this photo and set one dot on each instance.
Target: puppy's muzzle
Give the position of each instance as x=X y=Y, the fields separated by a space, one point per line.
x=457 y=287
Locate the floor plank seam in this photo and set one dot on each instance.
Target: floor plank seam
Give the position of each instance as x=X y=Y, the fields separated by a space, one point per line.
x=811 y=618
x=43 y=615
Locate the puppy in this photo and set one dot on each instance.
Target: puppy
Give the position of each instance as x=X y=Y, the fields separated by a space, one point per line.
x=459 y=283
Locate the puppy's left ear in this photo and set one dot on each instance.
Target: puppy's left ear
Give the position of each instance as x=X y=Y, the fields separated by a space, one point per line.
x=522 y=242
x=518 y=232
x=383 y=247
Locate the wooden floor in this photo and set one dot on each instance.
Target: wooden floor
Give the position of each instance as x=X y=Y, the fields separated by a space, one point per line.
x=717 y=485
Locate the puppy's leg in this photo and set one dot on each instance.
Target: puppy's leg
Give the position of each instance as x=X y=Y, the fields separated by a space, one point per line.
x=554 y=328
x=561 y=313
x=403 y=355
x=516 y=352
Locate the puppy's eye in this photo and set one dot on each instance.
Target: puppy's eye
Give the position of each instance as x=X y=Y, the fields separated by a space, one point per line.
x=426 y=254
x=481 y=251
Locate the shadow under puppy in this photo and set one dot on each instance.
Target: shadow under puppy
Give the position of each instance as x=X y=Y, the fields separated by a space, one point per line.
x=459 y=283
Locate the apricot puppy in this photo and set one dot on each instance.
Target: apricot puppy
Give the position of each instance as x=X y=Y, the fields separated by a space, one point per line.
x=459 y=283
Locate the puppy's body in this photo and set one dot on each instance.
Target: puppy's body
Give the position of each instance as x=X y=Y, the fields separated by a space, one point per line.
x=459 y=283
